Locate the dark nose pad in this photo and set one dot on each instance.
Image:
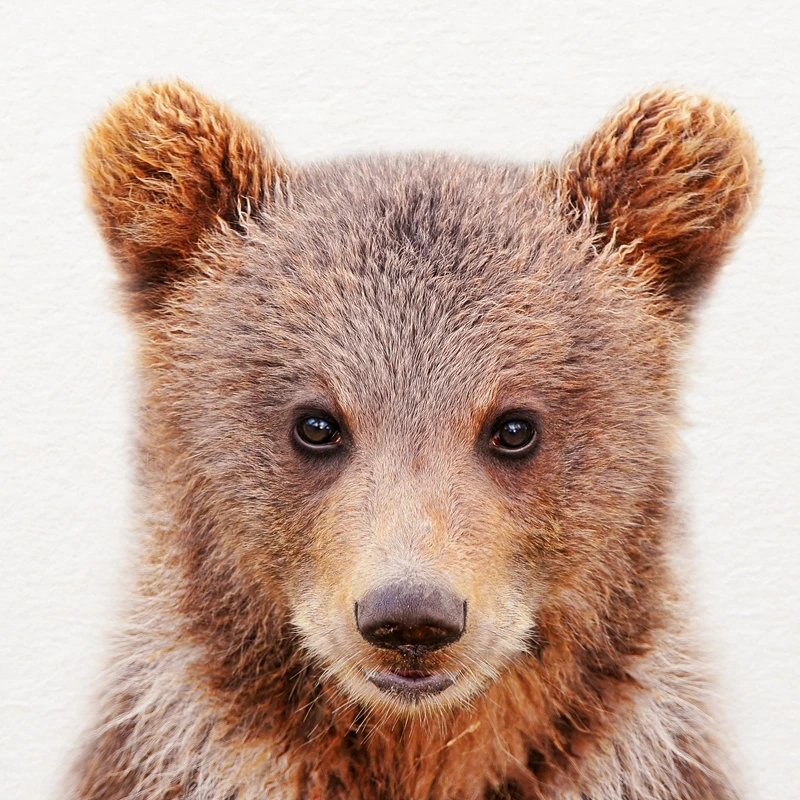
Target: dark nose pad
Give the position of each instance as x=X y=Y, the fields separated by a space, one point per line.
x=411 y=618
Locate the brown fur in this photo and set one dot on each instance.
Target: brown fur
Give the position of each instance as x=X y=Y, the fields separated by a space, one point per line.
x=415 y=299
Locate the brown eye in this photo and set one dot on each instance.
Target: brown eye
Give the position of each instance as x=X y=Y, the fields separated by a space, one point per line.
x=513 y=436
x=317 y=433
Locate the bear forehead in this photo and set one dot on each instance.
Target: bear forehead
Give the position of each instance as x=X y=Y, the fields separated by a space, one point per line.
x=418 y=263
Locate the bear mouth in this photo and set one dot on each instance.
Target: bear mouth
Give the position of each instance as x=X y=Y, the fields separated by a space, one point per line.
x=410 y=683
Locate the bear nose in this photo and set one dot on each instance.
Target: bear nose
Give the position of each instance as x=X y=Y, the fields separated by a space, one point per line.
x=411 y=618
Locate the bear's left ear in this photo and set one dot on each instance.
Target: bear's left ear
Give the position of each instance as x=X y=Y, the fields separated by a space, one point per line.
x=673 y=177
x=165 y=165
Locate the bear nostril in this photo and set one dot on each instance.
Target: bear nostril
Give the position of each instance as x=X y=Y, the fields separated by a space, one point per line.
x=424 y=635
x=410 y=618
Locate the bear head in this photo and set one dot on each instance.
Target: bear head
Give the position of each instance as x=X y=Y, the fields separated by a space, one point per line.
x=407 y=423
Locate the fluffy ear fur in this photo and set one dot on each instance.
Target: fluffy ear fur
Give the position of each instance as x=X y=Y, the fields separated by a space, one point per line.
x=671 y=175
x=164 y=165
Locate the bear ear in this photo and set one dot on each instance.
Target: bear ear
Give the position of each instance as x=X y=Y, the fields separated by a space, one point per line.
x=165 y=165
x=671 y=176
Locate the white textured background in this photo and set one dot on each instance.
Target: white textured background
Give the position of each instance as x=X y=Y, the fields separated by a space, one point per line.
x=514 y=79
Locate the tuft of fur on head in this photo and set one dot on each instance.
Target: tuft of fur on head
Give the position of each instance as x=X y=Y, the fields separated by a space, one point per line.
x=416 y=301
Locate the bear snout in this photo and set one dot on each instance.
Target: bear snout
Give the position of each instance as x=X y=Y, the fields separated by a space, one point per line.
x=411 y=618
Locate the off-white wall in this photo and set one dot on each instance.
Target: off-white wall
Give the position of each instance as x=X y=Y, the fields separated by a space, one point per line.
x=515 y=79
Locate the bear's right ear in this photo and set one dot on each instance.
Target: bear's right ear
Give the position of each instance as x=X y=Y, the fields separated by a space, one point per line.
x=164 y=166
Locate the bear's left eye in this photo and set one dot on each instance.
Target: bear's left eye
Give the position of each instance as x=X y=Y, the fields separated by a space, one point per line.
x=513 y=436
x=317 y=433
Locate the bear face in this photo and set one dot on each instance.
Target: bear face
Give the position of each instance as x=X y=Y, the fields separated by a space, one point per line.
x=408 y=422
x=369 y=303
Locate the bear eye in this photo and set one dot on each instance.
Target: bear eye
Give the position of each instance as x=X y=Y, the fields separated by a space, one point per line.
x=317 y=433
x=513 y=436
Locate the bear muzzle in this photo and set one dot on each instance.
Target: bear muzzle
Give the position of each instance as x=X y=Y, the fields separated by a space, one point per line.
x=412 y=620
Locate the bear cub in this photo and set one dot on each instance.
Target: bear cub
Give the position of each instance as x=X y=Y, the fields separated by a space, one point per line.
x=406 y=462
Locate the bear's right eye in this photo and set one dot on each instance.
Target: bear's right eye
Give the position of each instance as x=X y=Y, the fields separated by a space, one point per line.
x=317 y=433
